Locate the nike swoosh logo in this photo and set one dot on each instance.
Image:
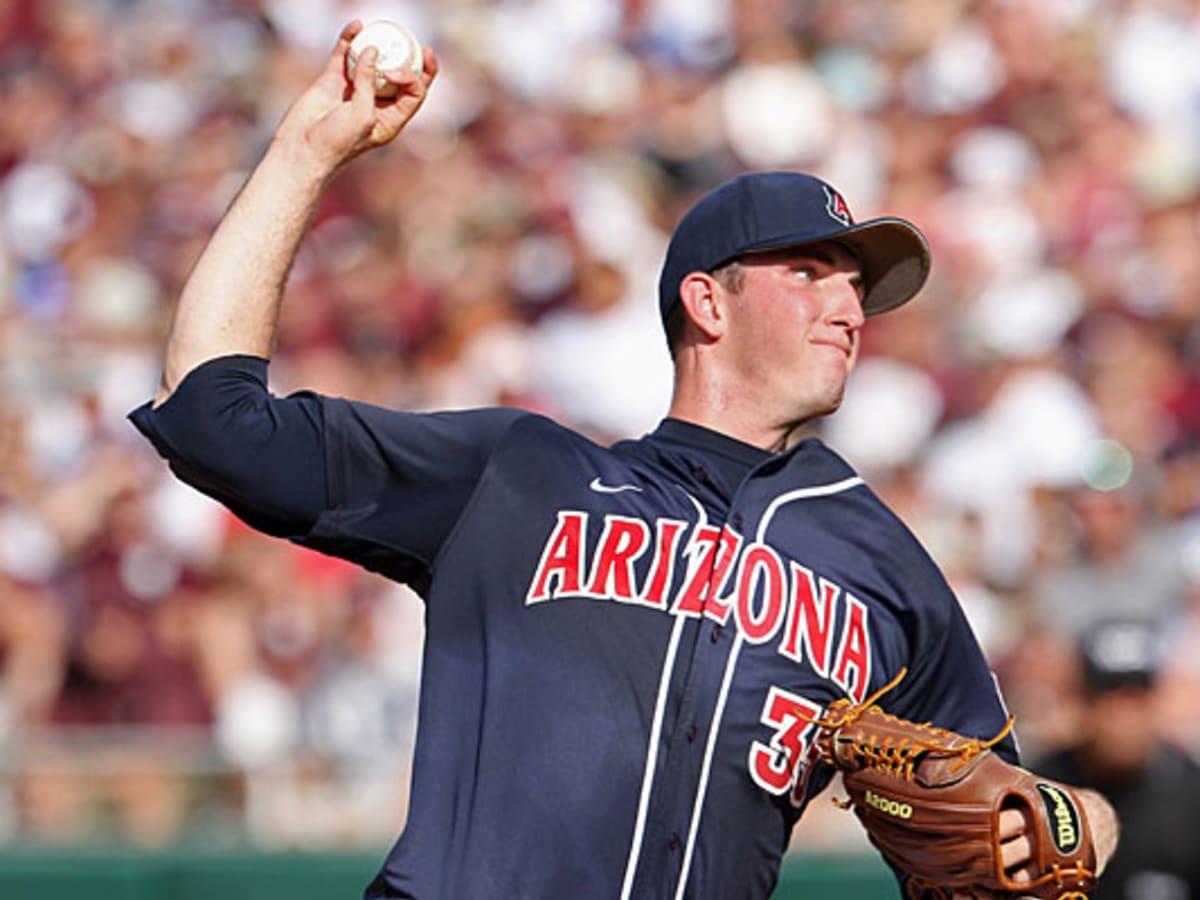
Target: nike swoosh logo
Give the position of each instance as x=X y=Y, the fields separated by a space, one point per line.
x=599 y=488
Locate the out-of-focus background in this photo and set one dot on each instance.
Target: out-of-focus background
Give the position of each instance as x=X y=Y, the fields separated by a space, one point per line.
x=171 y=683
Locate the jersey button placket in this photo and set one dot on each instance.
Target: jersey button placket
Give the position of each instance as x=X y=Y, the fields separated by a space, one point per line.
x=683 y=768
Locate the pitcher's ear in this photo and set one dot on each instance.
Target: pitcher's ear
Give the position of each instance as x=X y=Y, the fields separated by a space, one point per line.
x=702 y=298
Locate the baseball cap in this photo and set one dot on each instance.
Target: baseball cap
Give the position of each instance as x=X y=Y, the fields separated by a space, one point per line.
x=771 y=210
x=1119 y=653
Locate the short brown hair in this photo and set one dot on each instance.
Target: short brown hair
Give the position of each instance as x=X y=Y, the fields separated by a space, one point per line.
x=731 y=276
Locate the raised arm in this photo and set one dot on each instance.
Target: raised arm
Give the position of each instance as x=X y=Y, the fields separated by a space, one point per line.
x=230 y=303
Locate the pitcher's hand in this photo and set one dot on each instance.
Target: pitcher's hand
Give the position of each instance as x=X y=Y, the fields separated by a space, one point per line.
x=336 y=119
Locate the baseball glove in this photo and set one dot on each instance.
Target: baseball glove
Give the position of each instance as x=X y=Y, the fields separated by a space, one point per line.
x=931 y=800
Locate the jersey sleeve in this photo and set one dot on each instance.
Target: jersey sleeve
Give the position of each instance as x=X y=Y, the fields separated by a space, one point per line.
x=949 y=681
x=379 y=487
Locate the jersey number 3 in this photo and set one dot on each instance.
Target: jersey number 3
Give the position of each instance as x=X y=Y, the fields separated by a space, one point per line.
x=775 y=767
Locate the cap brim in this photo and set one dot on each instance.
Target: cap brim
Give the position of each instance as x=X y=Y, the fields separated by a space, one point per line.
x=893 y=253
x=895 y=261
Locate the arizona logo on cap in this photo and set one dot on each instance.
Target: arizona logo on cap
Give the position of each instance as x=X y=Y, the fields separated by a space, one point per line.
x=836 y=206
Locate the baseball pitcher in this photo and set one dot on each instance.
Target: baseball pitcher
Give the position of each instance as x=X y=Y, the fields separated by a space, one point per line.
x=642 y=661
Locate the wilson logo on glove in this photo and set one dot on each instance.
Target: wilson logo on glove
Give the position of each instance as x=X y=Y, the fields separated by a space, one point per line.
x=1063 y=813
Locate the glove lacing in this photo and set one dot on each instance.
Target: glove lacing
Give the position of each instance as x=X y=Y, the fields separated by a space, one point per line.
x=901 y=759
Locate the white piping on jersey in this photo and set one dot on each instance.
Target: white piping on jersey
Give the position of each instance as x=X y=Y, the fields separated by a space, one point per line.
x=1004 y=711
x=660 y=708
x=821 y=490
x=709 y=747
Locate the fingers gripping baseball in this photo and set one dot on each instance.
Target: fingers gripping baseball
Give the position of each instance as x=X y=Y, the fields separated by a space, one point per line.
x=337 y=118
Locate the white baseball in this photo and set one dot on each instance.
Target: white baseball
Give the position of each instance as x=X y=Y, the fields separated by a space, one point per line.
x=398 y=49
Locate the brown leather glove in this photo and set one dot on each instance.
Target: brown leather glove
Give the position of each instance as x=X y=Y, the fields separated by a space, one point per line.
x=931 y=800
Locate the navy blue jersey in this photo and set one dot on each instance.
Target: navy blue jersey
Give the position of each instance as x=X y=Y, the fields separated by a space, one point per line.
x=624 y=645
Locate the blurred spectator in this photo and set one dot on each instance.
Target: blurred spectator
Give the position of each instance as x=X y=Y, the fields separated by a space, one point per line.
x=1152 y=783
x=1121 y=568
x=1179 y=679
x=596 y=355
x=31 y=655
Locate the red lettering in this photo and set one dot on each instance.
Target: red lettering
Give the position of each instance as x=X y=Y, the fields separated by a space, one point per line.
x=760 y=565
x=810 y=620
x=562 y=559
x=622 y=542
x=701 y=550
x=662 y=569
x=716 y=604
x=776 y=765
x=854 y=651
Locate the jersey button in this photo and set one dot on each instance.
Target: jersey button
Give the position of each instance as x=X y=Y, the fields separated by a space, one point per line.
x=738 y=521
x=692 y=732
x=715 y=634
x=674 y=843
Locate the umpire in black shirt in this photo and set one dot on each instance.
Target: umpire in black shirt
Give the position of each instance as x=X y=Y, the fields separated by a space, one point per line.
x=1153 y=784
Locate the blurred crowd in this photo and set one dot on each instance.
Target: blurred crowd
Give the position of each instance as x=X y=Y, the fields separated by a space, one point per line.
x=1035 y=416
